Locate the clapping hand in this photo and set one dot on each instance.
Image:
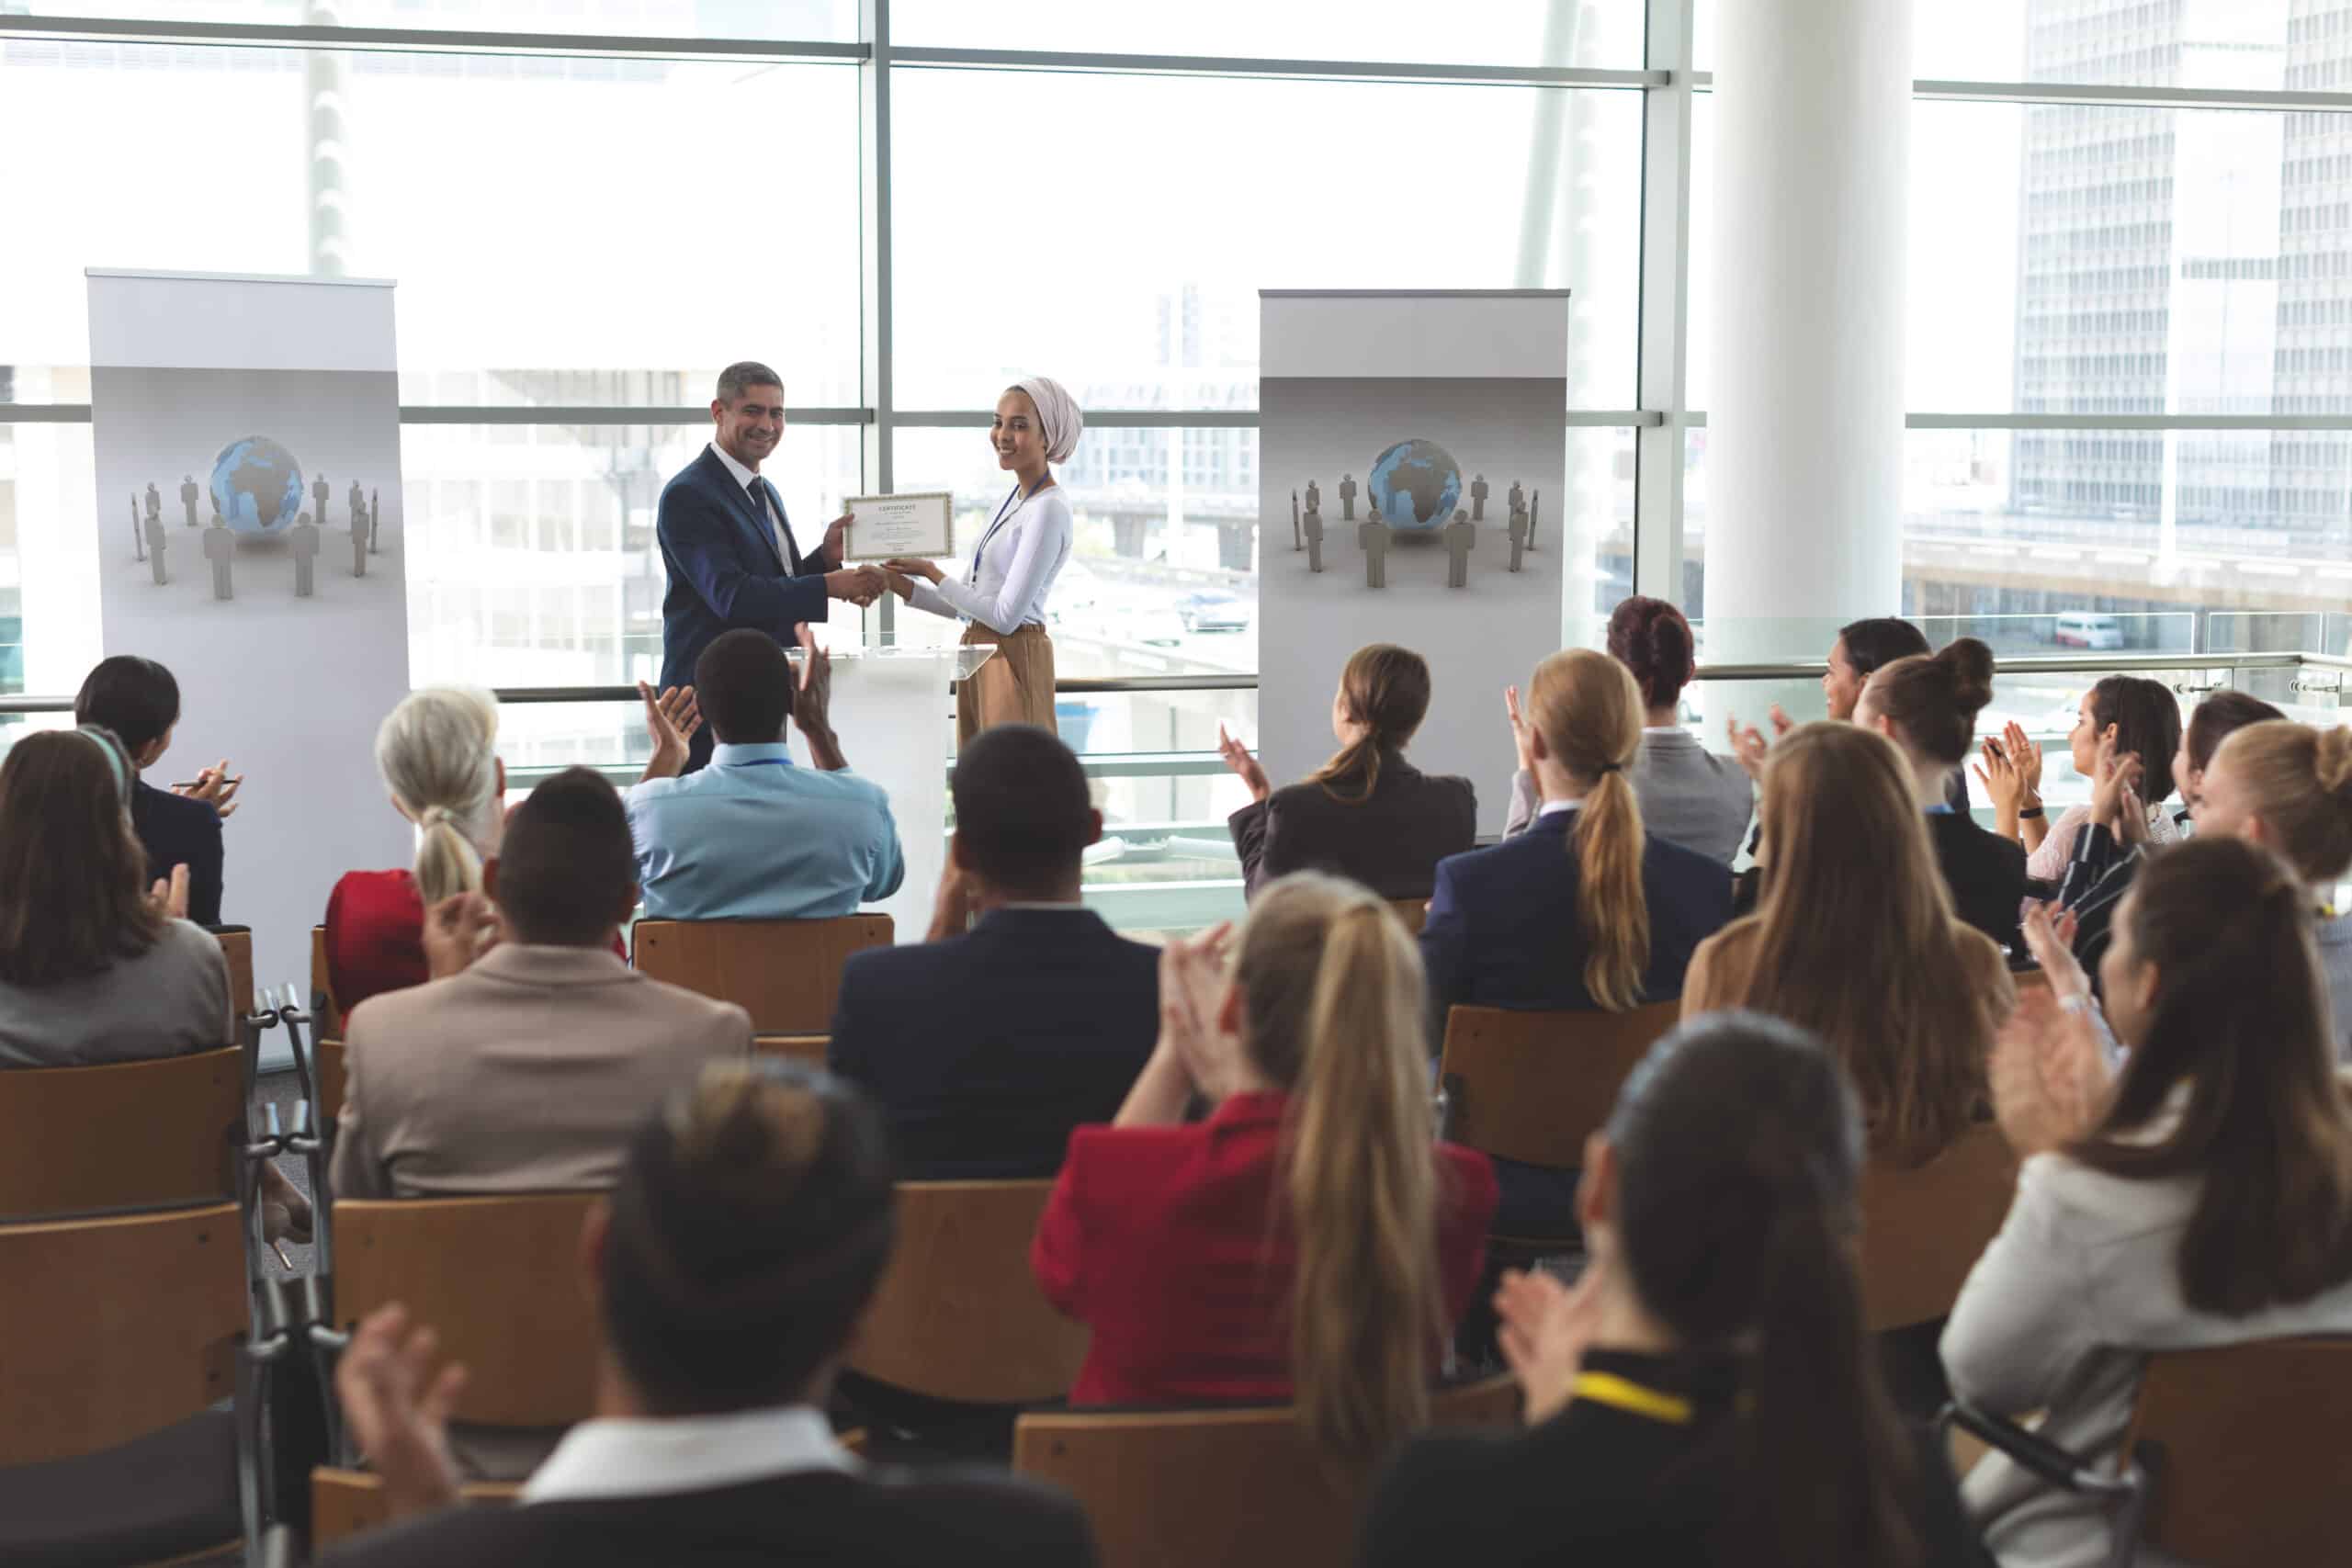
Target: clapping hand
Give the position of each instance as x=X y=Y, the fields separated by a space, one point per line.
x=1193 y=986
x=1748 y=747
x=2049 y=1082
x=215 y=787
x=670 y=720
x=398 y=1409
x=1782 y=722
x=2114 y=776
x=458 y=929
x=1546 y=1329
x=1238 y=757
x=168 y=897
x=1522 y=733
x=2051 y=939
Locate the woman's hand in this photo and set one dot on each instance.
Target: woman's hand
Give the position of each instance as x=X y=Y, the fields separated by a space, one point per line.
x=2132 y=816
x=1192 y=986
x=398 y=1409
x=2049 y=1082
x=458 y=929
x=2113 y=776
x=1238 y=757
x=1546 y=1328
x=2051 y=939
x=215 y=788
x=1522 y=733
x=168 y=897
x=2028 y=758
x=907 y=566
x=1749 y=747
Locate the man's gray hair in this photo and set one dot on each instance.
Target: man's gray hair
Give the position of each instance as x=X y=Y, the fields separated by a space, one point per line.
x=742 y=375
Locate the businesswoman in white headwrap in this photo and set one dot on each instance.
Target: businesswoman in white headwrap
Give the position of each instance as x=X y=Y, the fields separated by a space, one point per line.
x=1002 y=599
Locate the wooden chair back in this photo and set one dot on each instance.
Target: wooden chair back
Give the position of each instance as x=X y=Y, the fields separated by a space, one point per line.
x=344 y=1503
x=137 y=1135
x=327 y=1019
x=785 y=973
x=116 y=1327
x=1532 y=1086
x=2254 y=1465
x=808 y=1050
x=330 y=1071
x=1414 y=912
x=237 y=947
x=1923 y=1229
x=1238 y=1488
x=957 y=1314
x=499 y=1281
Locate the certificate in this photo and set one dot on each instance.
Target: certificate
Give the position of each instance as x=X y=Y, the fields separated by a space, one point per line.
x=921 y=525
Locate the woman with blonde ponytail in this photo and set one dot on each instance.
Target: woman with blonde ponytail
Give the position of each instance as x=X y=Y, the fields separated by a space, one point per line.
x=1307 y=1241
x=438 y=754
x=1585 y=909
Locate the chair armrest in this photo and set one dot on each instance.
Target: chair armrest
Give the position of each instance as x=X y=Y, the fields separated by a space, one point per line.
x=2037 y=1454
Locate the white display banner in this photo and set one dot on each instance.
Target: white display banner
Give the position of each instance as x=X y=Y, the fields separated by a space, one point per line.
x=249 y=525
x=1441 y=411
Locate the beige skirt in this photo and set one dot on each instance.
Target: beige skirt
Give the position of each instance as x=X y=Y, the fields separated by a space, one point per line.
x=1016 y=686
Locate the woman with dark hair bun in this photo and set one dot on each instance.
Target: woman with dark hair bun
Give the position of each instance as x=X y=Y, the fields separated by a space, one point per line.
x=1367 y=813
x=1690 y=795
x=1705 y=1393
x=1927 y=705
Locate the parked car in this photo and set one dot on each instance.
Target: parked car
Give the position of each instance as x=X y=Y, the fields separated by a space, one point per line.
x=2083 y=629
x=1212 y=610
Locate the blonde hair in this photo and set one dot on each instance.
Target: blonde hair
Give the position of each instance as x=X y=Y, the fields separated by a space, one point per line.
x=1588 y=708
x=2300 y=780
x=437 y=751
x=1856 y=940
x=1332 y=984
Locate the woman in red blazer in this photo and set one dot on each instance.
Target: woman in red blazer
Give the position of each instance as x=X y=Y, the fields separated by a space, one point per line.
x=1309 y=1240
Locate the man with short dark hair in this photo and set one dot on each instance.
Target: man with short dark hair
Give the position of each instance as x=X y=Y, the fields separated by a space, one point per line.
x=728 y=549
x=140 y=701
x=985 y=1046
x=524 y=1069
x=754 y=836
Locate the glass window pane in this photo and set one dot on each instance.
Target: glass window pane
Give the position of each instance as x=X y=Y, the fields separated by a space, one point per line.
x=817 y=21
x=545 y=269
x=1132 y=272
x=1604 y=33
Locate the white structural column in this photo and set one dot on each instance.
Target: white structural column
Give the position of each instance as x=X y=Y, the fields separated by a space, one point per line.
x=1813 y=113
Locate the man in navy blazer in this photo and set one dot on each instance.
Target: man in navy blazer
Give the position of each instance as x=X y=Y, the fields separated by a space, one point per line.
x=984 y=1048
x=728 y=546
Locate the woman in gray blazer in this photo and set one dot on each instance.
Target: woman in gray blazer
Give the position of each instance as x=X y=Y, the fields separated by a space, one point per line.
x=2203 y=1197
x=1690 y=795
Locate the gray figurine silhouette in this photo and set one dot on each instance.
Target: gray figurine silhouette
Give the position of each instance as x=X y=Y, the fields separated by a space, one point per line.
x=1297 y=542
x=1347 y=498
x=1461 y=538
x=1518 y=496
x=1478 y=499
x=187 y=497
x=375 y=515
x=1517 y=538
x=304 y=538
x=154 y=501
x=1373 y=535
x=1535 y=512
x=359 y=544
x=219 y=549
x=319 y=493
x=1314 y=496
x=154 y=529
x=1313 y=539
x=138 y=534
x=359 y=501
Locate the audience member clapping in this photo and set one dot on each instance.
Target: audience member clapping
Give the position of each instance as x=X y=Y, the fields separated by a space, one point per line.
x=751 y=1223
x=1704 y=1393
x=2203 y=1197
x=2141 y=717
x=1308 y=1239
x=1366 y=814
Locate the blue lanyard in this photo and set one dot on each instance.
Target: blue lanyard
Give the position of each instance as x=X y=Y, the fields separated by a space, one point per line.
x=761 y=763
x=973 y=577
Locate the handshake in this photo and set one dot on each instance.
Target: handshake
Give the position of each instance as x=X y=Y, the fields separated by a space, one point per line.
x=860 y=585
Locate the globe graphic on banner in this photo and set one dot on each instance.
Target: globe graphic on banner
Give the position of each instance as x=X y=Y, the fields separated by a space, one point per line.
x=1416 y=485
x=256 y=486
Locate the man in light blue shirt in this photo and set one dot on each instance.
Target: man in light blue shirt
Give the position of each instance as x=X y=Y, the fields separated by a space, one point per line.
x=754 y=836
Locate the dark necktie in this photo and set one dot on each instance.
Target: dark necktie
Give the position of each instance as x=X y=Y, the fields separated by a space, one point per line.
x=769 y=507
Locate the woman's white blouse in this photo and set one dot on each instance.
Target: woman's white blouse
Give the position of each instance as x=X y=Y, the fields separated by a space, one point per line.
x=1013 y=568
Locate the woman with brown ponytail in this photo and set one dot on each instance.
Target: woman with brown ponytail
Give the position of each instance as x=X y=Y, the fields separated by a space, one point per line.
x=1367 y=813
x=1309 y=1240
x=2203 y=1198
x=1705 y=1393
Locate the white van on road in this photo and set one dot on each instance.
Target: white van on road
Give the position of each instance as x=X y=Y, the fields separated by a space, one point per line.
x=2082 y=629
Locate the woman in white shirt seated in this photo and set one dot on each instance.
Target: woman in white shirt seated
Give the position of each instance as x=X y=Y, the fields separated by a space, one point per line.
x=2203 y=1198
x=1002 y=597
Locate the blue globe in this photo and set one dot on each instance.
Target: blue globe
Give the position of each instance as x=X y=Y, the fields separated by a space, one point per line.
x=1416 y=485
x=256 y=486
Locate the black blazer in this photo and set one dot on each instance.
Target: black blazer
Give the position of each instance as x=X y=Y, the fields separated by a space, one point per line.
x=724 y=573
x=1391 y=843
x=820 y=1519
x=2098 y=877
x=176 y=830
x=985 y=1050
x=1986 y=874
x=1605 y=1485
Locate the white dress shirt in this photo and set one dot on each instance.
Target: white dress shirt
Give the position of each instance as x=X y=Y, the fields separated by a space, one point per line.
x=1013 y=568
x=687 y=1453
x=759 y=495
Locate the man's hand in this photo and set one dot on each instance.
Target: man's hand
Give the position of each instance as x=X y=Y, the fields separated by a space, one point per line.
x=399 y=1410
x=951 y=906
x=831 y=547
x=215 y=788
x=859 y=585
x=458 y=929
x=670 y=720
x=813 y=705
x=168 y=897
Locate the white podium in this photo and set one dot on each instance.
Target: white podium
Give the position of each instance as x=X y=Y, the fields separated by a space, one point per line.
x=892 y=712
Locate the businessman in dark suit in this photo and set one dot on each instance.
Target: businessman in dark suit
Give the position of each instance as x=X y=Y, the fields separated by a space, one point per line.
x=984 y=1048
x=728 y=549
x=139 y=700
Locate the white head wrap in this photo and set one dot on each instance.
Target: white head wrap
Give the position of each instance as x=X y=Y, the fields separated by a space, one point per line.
x=1058 y=419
